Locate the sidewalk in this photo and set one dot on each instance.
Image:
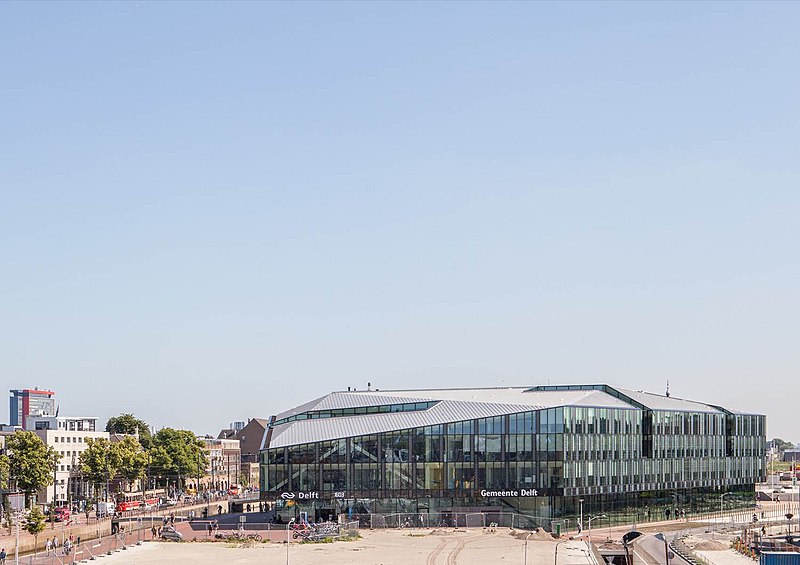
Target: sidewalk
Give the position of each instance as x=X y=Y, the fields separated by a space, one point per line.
x=95 y=528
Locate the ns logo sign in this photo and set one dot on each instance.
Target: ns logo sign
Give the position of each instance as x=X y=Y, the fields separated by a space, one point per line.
x=312 y=495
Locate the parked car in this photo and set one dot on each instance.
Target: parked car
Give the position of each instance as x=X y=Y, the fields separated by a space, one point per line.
x=171 y=534
x=62 y=514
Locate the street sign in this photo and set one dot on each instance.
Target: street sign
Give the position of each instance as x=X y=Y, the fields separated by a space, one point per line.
x=17 y=502
x=242 y=518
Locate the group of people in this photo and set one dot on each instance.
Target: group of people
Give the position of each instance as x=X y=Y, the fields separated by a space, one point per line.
x=52 y=544
x=679 y=514
x=212 y=528
x=169 y=520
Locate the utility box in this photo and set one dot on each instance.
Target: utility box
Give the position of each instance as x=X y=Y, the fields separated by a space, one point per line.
x=779 y=558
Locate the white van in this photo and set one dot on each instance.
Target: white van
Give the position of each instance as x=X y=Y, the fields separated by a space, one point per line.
x=105 y=509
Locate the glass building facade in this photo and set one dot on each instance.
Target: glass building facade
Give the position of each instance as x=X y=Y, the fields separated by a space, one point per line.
x=632 y=456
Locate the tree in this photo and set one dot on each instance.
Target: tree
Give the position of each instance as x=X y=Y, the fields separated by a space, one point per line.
x=3 y=471
x=31 y=462
x=34 y=525
x=178 y=453
x=781 y=445
x=130 y=425
x=100 y=462
x=7 y=514
x=132 y=459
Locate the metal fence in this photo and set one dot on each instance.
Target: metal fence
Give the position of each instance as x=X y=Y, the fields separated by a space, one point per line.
x=68 y=554
x=452 y=520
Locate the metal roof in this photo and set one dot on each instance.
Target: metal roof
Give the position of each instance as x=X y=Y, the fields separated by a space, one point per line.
x=457 y=404
x=454 y=405
x=305 y=431
x=668 y=403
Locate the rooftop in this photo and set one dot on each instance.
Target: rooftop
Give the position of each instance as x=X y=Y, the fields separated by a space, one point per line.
x=352 y=413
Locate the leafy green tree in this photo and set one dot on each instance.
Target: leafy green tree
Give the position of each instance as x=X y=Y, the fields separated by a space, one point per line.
x=132 y=459
x=3 y=471
x=130 y=425
x=35 y=525
x=31 y=462
x=178 y=453
x=100 y=462
x=781 y=445
x=7 y=514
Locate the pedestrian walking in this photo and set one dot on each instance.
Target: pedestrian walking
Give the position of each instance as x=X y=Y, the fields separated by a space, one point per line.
x=48 y=545
x=219 y=509
x=3 y=556
x=153 y=530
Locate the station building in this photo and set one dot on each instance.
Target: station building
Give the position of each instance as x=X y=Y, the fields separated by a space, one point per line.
x=548 y=452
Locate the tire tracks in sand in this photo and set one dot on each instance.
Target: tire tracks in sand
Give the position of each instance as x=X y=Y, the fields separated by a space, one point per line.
x=435 y=553
x=451 y=558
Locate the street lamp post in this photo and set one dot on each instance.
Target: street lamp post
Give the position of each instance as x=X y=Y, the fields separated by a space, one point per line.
x=720 y=502
x=53 y=503
x=557 y=544
x=590 y=525
x=197 y=486
x=666 y=549
x=288 y=538
x=580 y=521
x=526 y=547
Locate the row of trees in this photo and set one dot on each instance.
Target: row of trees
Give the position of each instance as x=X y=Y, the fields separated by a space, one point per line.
x=166 y=455
x=29 y=463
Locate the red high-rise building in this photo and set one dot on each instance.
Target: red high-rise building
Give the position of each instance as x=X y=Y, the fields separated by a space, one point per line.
x=30 y=402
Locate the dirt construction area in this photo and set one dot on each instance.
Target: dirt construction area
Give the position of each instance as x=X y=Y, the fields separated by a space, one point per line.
x=384 y=547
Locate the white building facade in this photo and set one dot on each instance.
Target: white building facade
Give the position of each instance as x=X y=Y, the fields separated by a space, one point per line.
x=67 y=435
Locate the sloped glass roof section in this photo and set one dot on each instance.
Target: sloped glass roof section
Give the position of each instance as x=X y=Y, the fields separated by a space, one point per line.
x=358 y=411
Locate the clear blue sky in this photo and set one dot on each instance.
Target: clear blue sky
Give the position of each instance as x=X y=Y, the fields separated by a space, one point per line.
x=215 y=211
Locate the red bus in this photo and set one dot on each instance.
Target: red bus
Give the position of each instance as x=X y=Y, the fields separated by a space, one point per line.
x=134 y=501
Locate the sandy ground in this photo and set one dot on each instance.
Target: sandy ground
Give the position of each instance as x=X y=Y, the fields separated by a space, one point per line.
x=726 y=557
x=385 y=547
